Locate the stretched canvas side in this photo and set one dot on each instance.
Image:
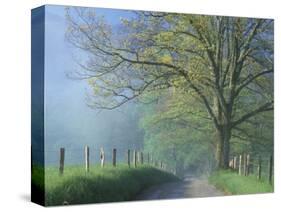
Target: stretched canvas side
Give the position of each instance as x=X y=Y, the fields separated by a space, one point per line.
x=37 y=105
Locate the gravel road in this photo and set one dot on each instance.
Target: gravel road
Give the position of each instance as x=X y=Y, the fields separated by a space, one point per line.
x=190 y=187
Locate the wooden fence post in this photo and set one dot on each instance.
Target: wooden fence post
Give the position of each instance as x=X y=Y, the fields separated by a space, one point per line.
x=102 y=157
x=231 y=164
x=244 y=164
x=138 y=157
x=62 y=153
x=270 y=169
x=114 y=157
x=240 y=165
x=135 y=158
x=235 y=163
x=248 y=165
x=259 y=168
x=141 y=157
x=129 y=158
x=87 y=159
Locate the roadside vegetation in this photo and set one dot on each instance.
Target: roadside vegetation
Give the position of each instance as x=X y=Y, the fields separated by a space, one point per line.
x=231 y=183
x=108 y=184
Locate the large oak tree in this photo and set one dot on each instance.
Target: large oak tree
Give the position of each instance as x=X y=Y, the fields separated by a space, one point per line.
x=225 y=63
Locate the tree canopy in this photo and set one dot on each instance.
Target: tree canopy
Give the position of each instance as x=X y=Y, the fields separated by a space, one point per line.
x=217 y=68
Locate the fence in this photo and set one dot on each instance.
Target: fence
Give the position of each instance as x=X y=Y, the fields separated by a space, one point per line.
x=101 y=157
x=245 y=165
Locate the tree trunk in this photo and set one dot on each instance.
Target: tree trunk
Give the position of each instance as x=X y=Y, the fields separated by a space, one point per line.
x=226 y=148
x=219 y=150
x=223 y=147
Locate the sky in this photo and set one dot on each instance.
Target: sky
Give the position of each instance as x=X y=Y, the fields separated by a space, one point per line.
x=69 y=122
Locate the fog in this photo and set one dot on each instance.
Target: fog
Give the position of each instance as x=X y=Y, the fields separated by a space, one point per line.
x=72 y=125
x=69 y=123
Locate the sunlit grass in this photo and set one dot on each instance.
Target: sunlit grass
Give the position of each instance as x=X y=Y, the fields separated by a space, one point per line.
x=232 y=183
x=108 y=184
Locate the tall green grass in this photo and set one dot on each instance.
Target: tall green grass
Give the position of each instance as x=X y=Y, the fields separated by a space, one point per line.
x=108 y=184
x=232 y=183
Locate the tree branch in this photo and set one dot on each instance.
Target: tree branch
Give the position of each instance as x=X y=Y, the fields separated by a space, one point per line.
x=205 y=101
x=249 y=80
x=263 y=108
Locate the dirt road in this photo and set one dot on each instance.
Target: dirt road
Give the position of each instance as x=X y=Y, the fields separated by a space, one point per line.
x=188 y=188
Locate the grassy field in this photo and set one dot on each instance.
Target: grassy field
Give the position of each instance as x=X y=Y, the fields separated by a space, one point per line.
x=232 y=183
x=109 y=184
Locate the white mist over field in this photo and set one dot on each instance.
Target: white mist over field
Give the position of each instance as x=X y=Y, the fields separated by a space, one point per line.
x=69 y=122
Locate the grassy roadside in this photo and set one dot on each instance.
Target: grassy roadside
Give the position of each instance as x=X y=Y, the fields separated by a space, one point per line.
x=110 y=184
x=232 y=183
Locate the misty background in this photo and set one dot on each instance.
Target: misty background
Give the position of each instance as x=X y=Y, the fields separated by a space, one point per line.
x=68 y=121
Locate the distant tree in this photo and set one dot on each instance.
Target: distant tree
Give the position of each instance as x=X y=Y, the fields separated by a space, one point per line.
x=225 y=63
x=180 y=136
